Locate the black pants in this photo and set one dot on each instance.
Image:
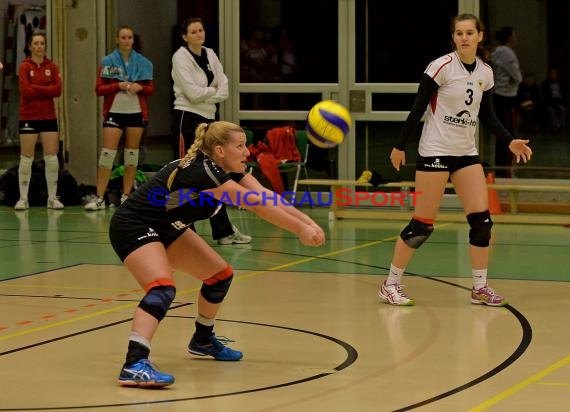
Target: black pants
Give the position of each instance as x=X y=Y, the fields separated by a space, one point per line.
x=183 y=137
x=505 y=107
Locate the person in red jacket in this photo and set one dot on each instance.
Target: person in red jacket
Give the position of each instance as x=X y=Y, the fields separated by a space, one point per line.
x=125 y=82
x=40 y=84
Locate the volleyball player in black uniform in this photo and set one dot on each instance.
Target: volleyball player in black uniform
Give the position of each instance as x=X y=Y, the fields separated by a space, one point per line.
x=149 y=232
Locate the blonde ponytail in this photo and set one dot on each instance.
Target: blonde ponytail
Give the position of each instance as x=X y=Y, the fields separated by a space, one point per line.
x=198 y=144
x=190 y=154
x=208 y=136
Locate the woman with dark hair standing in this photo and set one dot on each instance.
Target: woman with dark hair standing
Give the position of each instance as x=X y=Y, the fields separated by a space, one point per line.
x=199 y=84
x=455 y=90
x=40 y=84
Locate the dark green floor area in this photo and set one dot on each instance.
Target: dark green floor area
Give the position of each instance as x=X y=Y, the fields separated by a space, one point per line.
x=41 y=240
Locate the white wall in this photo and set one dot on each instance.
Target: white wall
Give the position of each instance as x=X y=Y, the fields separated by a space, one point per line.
x=153 y=21
x=83 y=118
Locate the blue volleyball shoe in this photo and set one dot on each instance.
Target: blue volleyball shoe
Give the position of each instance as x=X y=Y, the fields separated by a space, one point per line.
x=143 y=374
x=215 y=348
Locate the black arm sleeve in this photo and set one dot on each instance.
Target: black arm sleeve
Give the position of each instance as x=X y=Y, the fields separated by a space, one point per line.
x=426 y=90
x=489 y=118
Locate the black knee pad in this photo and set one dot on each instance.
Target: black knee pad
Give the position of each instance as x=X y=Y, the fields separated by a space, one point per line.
x=157 y=301
x=217 y=292
x=416 y=233
x=480 y=232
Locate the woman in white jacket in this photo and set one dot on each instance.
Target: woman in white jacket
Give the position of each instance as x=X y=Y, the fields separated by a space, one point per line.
x=199 y=84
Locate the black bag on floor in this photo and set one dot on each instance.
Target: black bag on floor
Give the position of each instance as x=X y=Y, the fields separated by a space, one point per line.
x=37 y=195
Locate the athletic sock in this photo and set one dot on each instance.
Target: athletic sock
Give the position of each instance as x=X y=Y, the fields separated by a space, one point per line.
x=25 y=175
x=204 y=329
x=136 y=352
x=479 y=278
x=51 y=171
x=395 y=276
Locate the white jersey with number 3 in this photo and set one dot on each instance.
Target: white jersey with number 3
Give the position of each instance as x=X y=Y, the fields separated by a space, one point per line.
x=452 y=114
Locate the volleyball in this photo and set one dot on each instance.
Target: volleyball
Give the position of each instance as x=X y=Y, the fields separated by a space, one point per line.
x=328 y=123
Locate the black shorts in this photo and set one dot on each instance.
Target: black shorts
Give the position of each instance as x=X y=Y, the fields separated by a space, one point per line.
x=124 y=120
x=445 y=163
x=37 y=126
x=128 y=232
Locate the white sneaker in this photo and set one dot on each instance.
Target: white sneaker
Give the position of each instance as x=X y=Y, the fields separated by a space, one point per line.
x=97 y=203
x=54 y=203
x=123 y=198
x=487 y=296
x=236 y=237
x=22 y=204
x=394 y=295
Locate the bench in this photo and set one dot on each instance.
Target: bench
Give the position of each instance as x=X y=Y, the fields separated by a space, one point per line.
x=337 y=212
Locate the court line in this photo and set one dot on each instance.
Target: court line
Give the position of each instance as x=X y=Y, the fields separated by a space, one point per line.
x=311 y=258
x=351 y=357
x=553 y=383
x=64 y=287
x=519 y=351
x=521 y=385
x=65 y=322
x=251 y=274
x=192 y=290
x=81 y=332
x=54 y=314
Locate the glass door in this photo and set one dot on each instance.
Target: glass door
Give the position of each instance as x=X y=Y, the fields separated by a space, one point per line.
x=366 y=54
x=289 y=55
x=393 y=44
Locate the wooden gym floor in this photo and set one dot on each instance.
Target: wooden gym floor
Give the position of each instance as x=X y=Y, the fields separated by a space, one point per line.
x=314 y=335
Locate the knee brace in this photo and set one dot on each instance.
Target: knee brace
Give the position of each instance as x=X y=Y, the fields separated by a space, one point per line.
x=131 y=157
x=107 y=158
x=52 y=164
x=417 y=232
x=215 y=289
x=159 y=296
x=480 y=232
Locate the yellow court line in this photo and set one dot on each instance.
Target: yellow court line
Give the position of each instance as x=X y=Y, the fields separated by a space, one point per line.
x=521 y=385
x=553 y=383
x=294 y=263
x=187 y=291
x=309 y=259
x=16 y=285
x=65 y=322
